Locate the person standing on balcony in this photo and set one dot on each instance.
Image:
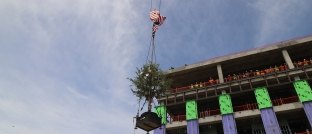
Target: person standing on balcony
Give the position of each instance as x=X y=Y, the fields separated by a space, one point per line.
x=257 y=73
x=210 y=81
x=276 y=69
x=305 y=62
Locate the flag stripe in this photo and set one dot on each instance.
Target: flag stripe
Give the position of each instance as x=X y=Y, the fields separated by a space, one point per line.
x=157 y=19
x=154 y=15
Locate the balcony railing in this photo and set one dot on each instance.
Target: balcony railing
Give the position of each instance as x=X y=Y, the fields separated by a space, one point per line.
x=256 y=75
x=209 y=113
x=251 y=106
x=206 y=90
x=178 y=118
x=281 y=101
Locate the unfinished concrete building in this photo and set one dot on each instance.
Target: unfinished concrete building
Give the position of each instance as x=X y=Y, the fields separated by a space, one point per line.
x=263 y=90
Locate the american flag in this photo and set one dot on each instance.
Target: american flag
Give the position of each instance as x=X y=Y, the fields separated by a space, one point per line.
x=160 y=20
x=154 y=15
x=157 y=18
x=155 y=28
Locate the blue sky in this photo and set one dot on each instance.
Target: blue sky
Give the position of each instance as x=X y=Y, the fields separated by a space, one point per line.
x=64 y=63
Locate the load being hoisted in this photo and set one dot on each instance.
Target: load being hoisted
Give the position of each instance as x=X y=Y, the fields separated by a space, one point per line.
x=150 y=82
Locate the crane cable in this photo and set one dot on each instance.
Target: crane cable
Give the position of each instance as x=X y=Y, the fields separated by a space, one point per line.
x=159 y=5
x=150 y=59
x=151 y=56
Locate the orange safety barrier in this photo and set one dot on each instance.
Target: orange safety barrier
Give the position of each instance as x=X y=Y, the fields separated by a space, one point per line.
x=291 y=99
x=246 y=107
x=287 y=100
x=199 y=85
x=209 y=113
x=251 y=106
x=243 y=75
x=178 y=118
x=182 y=88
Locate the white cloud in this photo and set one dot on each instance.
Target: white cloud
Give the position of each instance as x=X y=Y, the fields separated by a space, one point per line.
x=65 y=65
x=277 y=19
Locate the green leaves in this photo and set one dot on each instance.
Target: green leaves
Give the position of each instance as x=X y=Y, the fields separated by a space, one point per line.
x=149 y=82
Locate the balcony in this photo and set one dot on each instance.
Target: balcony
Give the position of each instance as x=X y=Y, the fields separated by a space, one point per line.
x=206 y=90
x=280 y=105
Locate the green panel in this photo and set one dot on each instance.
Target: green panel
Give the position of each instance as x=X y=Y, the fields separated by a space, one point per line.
x=303 y=90
x=162 y=112
x=191 y=110
x=225 y=104
x=263 y=98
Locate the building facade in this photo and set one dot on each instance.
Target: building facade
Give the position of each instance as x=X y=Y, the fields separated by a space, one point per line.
x=263 y=90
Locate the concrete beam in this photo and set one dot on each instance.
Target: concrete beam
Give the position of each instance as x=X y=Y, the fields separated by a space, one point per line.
x=269 y=47
x=176 y=124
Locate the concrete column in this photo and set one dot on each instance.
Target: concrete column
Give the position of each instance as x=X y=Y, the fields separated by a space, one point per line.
x=307 y=106
x=229 y=125
x=226 y=108
x=268 y=116
x=270 y=122
x=220 y=73
x=287 y=59
x=192 y=117
x=304 y=93
x=192 y=127
x=161 y=111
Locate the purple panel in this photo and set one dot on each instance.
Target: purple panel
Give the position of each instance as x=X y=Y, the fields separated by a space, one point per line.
x=270 y=122
x=160 y=130
x=307 y=106
x=229 y=125
x=192 y=127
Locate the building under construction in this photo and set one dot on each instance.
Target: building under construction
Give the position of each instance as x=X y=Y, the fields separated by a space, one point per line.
x=263 y=90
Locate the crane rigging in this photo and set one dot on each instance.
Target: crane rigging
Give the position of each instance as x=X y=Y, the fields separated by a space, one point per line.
x=150 y=82
x=157 y=20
